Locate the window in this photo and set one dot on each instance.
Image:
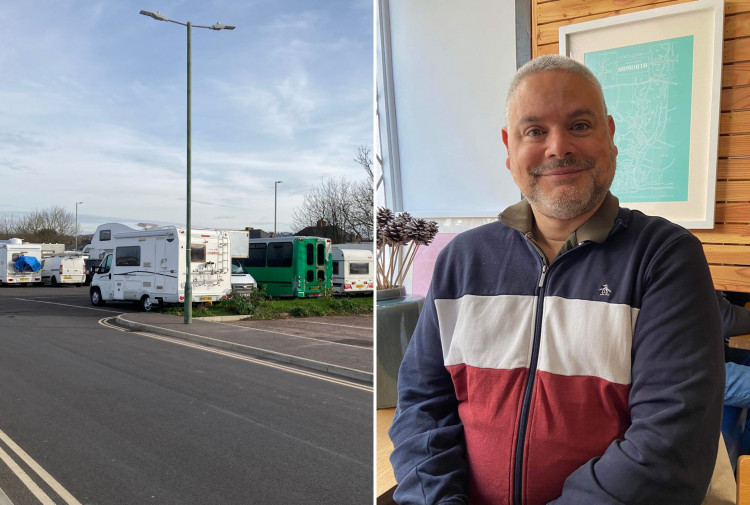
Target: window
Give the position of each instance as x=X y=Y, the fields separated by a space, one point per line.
x=321 y=275
x=280 y=255
x=257 y=256
x=321 y=254
x=128 y=256
x=336 y=267
x=359 y=268
x=105 y=265
x=310 y=254
x=310 y=276
x=105 y=235
x=15 y=257
x=197 y=253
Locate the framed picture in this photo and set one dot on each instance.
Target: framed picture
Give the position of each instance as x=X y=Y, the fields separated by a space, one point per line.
x=660 y=71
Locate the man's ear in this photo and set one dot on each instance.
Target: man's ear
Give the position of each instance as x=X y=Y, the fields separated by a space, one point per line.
x=505 y=141
x=611 y=124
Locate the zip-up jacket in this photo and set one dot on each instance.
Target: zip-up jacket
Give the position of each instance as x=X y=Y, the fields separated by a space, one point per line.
x=595 y=379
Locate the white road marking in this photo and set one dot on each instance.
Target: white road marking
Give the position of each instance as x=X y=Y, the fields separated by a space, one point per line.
x=242 y=357
x=41 y=472
x=4 y=500
x=69 y=305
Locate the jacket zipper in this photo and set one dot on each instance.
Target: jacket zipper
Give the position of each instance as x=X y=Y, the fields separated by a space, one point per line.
x=526 y=404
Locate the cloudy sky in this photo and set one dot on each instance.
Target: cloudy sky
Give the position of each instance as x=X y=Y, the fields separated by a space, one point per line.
x=93 y=107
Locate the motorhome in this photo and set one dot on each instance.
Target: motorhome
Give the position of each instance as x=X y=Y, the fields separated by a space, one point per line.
x=64 y=269
x=149 y=266
x=353 y=271
x=19 y=262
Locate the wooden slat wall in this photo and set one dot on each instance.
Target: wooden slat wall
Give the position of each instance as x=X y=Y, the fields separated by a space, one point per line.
x=727 y=246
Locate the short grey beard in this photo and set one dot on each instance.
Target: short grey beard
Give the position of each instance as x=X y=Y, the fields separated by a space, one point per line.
x=568 y=206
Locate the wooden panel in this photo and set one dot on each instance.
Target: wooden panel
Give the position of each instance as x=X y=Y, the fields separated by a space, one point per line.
x=733 y=191
x=735 y=122
x=725 y=234
x=549 y=33
x=733 y=168
x=735 y=99
x=736 y=50
x=736 y=6
x=731 y=278
x=743 y=480
x=734 y=145
x=735 y=212
x=737 y=26
x=735 y=74
x=548 y=49
x=727 y=254
x=571 y=9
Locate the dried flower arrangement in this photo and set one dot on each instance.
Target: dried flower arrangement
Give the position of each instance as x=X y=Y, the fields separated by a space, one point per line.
x=396 y=233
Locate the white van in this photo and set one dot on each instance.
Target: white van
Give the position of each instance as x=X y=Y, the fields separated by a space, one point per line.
x=149 y=266
x=59 y=270
x=19 y=262
x=353 y=271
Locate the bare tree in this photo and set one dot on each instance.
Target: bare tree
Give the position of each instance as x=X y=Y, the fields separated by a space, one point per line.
x=342 y=203
x=51 y=225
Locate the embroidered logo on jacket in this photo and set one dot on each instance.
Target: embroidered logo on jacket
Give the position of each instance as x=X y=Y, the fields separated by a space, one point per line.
x=605 y=291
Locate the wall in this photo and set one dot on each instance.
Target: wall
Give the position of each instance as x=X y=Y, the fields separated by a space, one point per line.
x=727 y=246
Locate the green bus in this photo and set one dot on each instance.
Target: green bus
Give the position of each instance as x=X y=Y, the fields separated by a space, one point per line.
x=290 y=266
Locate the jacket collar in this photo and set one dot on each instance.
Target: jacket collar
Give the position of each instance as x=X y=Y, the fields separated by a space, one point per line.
x=596 y=229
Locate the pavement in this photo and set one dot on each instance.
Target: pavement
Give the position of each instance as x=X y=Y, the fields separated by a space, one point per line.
x=337 y=345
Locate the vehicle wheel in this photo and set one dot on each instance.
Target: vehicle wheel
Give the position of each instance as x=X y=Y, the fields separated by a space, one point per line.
x=96 y=297
x=146 y=304
x=53 y=282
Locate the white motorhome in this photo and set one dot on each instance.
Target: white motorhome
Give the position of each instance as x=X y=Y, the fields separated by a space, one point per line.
x=149 y=266
x=64 y=269
x=352 y=271
x=19 y=262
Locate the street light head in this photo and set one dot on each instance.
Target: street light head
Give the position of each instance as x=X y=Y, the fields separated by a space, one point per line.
x=156 y=15
x=219 y=26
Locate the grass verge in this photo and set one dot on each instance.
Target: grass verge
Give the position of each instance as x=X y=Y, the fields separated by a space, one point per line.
x=257 y=306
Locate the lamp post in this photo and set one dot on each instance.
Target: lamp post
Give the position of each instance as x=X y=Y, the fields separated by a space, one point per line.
x=275 y=185
x=188 y=310
x=77 y=204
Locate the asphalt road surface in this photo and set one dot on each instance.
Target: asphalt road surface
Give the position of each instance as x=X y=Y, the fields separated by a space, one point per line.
x=91 y=414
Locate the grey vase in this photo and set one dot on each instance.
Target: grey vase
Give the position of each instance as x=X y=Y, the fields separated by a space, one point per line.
x=396 y=317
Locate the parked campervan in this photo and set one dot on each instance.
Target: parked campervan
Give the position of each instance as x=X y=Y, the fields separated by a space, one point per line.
x=149 y=266
x=65 y=269
x=352 y=271
x=19 y=262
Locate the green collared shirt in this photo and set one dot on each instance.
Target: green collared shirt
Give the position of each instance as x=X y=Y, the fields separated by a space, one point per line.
x=520 y=217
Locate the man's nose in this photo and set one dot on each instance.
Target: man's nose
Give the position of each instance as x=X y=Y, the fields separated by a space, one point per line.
x=559 y=143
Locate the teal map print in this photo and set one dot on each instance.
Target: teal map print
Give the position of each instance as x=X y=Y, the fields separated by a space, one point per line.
x=648 y=89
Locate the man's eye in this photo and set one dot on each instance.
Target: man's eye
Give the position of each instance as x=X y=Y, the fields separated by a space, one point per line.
x=580 y=126
x=533 y=132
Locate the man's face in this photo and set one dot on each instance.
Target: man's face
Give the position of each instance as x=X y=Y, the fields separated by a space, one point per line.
x=559 y=141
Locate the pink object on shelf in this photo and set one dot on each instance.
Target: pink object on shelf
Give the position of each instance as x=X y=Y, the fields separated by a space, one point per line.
x=424 y=262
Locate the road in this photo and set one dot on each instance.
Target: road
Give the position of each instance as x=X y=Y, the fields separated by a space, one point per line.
x=91 y=414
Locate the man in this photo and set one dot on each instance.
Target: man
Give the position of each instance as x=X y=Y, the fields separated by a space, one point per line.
x=568 y=353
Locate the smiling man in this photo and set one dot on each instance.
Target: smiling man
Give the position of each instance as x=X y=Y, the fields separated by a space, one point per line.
x=568 y=353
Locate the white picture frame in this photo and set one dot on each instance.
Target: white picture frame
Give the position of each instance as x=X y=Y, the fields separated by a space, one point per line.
x=673 y=177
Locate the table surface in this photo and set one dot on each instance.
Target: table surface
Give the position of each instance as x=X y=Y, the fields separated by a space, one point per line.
x=385 y=480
